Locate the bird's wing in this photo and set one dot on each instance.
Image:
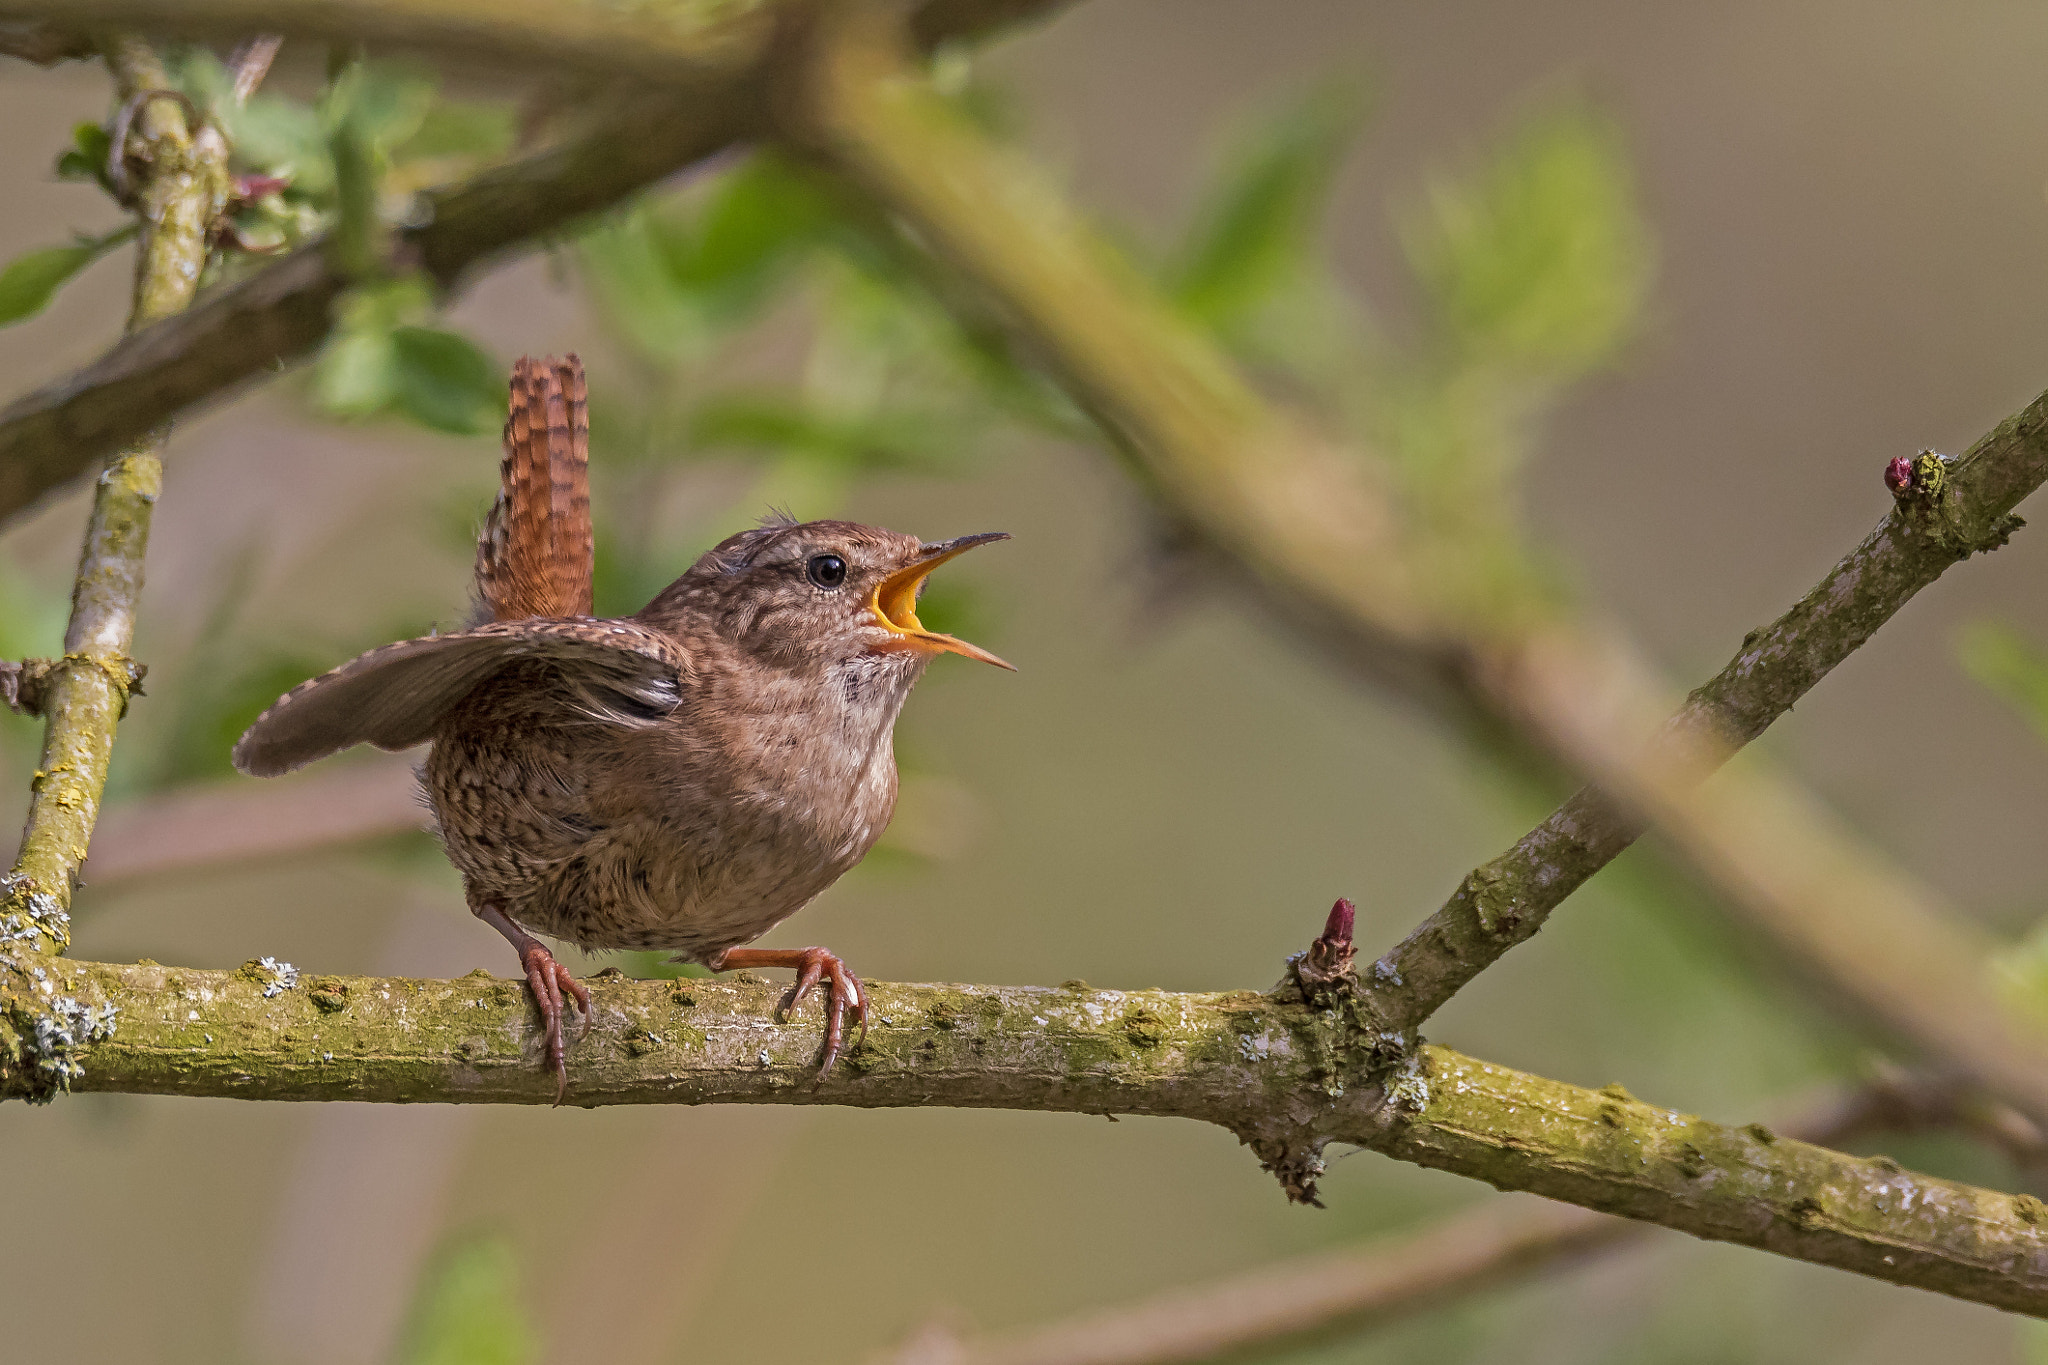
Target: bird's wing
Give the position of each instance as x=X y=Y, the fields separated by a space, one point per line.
x=534 y=556
x=393 y=697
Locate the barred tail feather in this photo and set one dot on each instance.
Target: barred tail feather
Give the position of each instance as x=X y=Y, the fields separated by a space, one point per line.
x=534 y=556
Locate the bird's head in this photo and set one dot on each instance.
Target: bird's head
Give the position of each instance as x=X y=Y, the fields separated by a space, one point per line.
x=817 y=592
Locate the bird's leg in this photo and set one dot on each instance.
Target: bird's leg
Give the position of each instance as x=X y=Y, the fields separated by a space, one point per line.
x=842 y=990
x=549 y=979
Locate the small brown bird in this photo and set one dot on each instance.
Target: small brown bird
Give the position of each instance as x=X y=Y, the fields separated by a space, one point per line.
x=685 y=778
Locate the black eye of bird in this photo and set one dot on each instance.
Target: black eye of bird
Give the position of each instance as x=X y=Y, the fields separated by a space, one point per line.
x=827 y=571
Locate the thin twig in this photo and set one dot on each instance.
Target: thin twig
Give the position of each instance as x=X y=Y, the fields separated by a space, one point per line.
x=250 y=63
x=183 y=188
x=186 y=830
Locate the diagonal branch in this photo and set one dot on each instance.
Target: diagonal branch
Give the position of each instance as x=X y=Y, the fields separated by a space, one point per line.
x=1313 y=528
x=1506 y=901
x=1283 y=1078
x=62 y=430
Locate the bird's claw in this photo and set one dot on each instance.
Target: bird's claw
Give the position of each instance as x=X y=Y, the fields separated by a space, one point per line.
x=549 y=980
x=843 y=993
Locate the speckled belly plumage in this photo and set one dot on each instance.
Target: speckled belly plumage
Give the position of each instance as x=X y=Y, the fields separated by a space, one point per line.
x=642 y=836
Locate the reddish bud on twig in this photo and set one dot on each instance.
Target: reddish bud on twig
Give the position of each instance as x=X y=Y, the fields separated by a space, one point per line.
x=1337 y=932
x=1898 y=476
x=1325 y=969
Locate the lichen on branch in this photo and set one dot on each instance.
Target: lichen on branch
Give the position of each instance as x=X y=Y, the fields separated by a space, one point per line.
x=1284 y=1078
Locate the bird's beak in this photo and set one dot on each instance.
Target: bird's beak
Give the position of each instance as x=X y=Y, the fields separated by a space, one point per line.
x=894 y=601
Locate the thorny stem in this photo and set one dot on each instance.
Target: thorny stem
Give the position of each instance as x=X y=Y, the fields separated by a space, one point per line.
x=1285 y=1079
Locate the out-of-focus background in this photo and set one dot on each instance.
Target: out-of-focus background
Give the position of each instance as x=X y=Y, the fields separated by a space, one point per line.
x=1844 y=258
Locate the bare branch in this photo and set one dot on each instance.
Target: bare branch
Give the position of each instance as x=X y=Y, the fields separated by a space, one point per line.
x=1284 y=1078
x=182 y=190
x=1300 y=1302
x=252 y=329
x=1504 y=902
x=233 y=822
x=44 y=44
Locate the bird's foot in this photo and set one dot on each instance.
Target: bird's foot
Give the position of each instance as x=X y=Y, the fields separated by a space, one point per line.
x=843 y=991
x=550 y=980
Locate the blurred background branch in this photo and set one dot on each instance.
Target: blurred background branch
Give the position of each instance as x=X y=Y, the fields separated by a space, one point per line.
x=1310 y=522
x=1340 y=1295
x=623 y=142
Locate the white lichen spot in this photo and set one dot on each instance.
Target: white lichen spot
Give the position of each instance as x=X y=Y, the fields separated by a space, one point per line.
x=1384 y=970
x=192 y=1015
x=761 y=1058
x=283 y=976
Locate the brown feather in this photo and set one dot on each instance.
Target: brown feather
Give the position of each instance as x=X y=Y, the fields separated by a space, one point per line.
x=394 y=696
x=534 y=556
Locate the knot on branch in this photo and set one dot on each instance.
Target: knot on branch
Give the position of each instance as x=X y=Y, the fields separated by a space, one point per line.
x=1927 y=502
x=1296 y=1164
x=25 y=686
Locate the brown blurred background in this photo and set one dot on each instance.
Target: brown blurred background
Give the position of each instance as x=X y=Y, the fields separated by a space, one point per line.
x=1852 y=231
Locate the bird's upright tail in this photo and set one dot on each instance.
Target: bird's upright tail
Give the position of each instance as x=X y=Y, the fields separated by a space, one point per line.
x=534 y=556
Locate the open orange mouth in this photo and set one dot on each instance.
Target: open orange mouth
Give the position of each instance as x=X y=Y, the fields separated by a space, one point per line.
x=894 y=600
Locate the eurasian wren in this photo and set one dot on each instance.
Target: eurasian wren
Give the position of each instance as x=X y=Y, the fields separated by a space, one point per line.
x=685 y=778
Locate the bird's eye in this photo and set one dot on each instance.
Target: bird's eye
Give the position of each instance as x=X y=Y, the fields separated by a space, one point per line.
x=827 y=571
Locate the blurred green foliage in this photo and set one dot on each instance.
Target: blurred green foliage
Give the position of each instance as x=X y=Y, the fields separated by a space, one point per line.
x=31 y=280
x=2010 y=666
x=470 y=1310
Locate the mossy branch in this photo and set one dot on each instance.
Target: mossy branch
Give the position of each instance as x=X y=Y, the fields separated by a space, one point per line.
x=181 y=190
x=1284 y=1078
x=633 y=139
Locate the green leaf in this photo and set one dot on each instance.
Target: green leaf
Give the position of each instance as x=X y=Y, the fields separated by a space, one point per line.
x=762 y=213
x=1257 y=224
x=470 y=1310
x=2012 y=668
x=86 y=158
x=357 y=375
x=1539 y=256
x=443 y=380
x=32 y=279
x=675 y=273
